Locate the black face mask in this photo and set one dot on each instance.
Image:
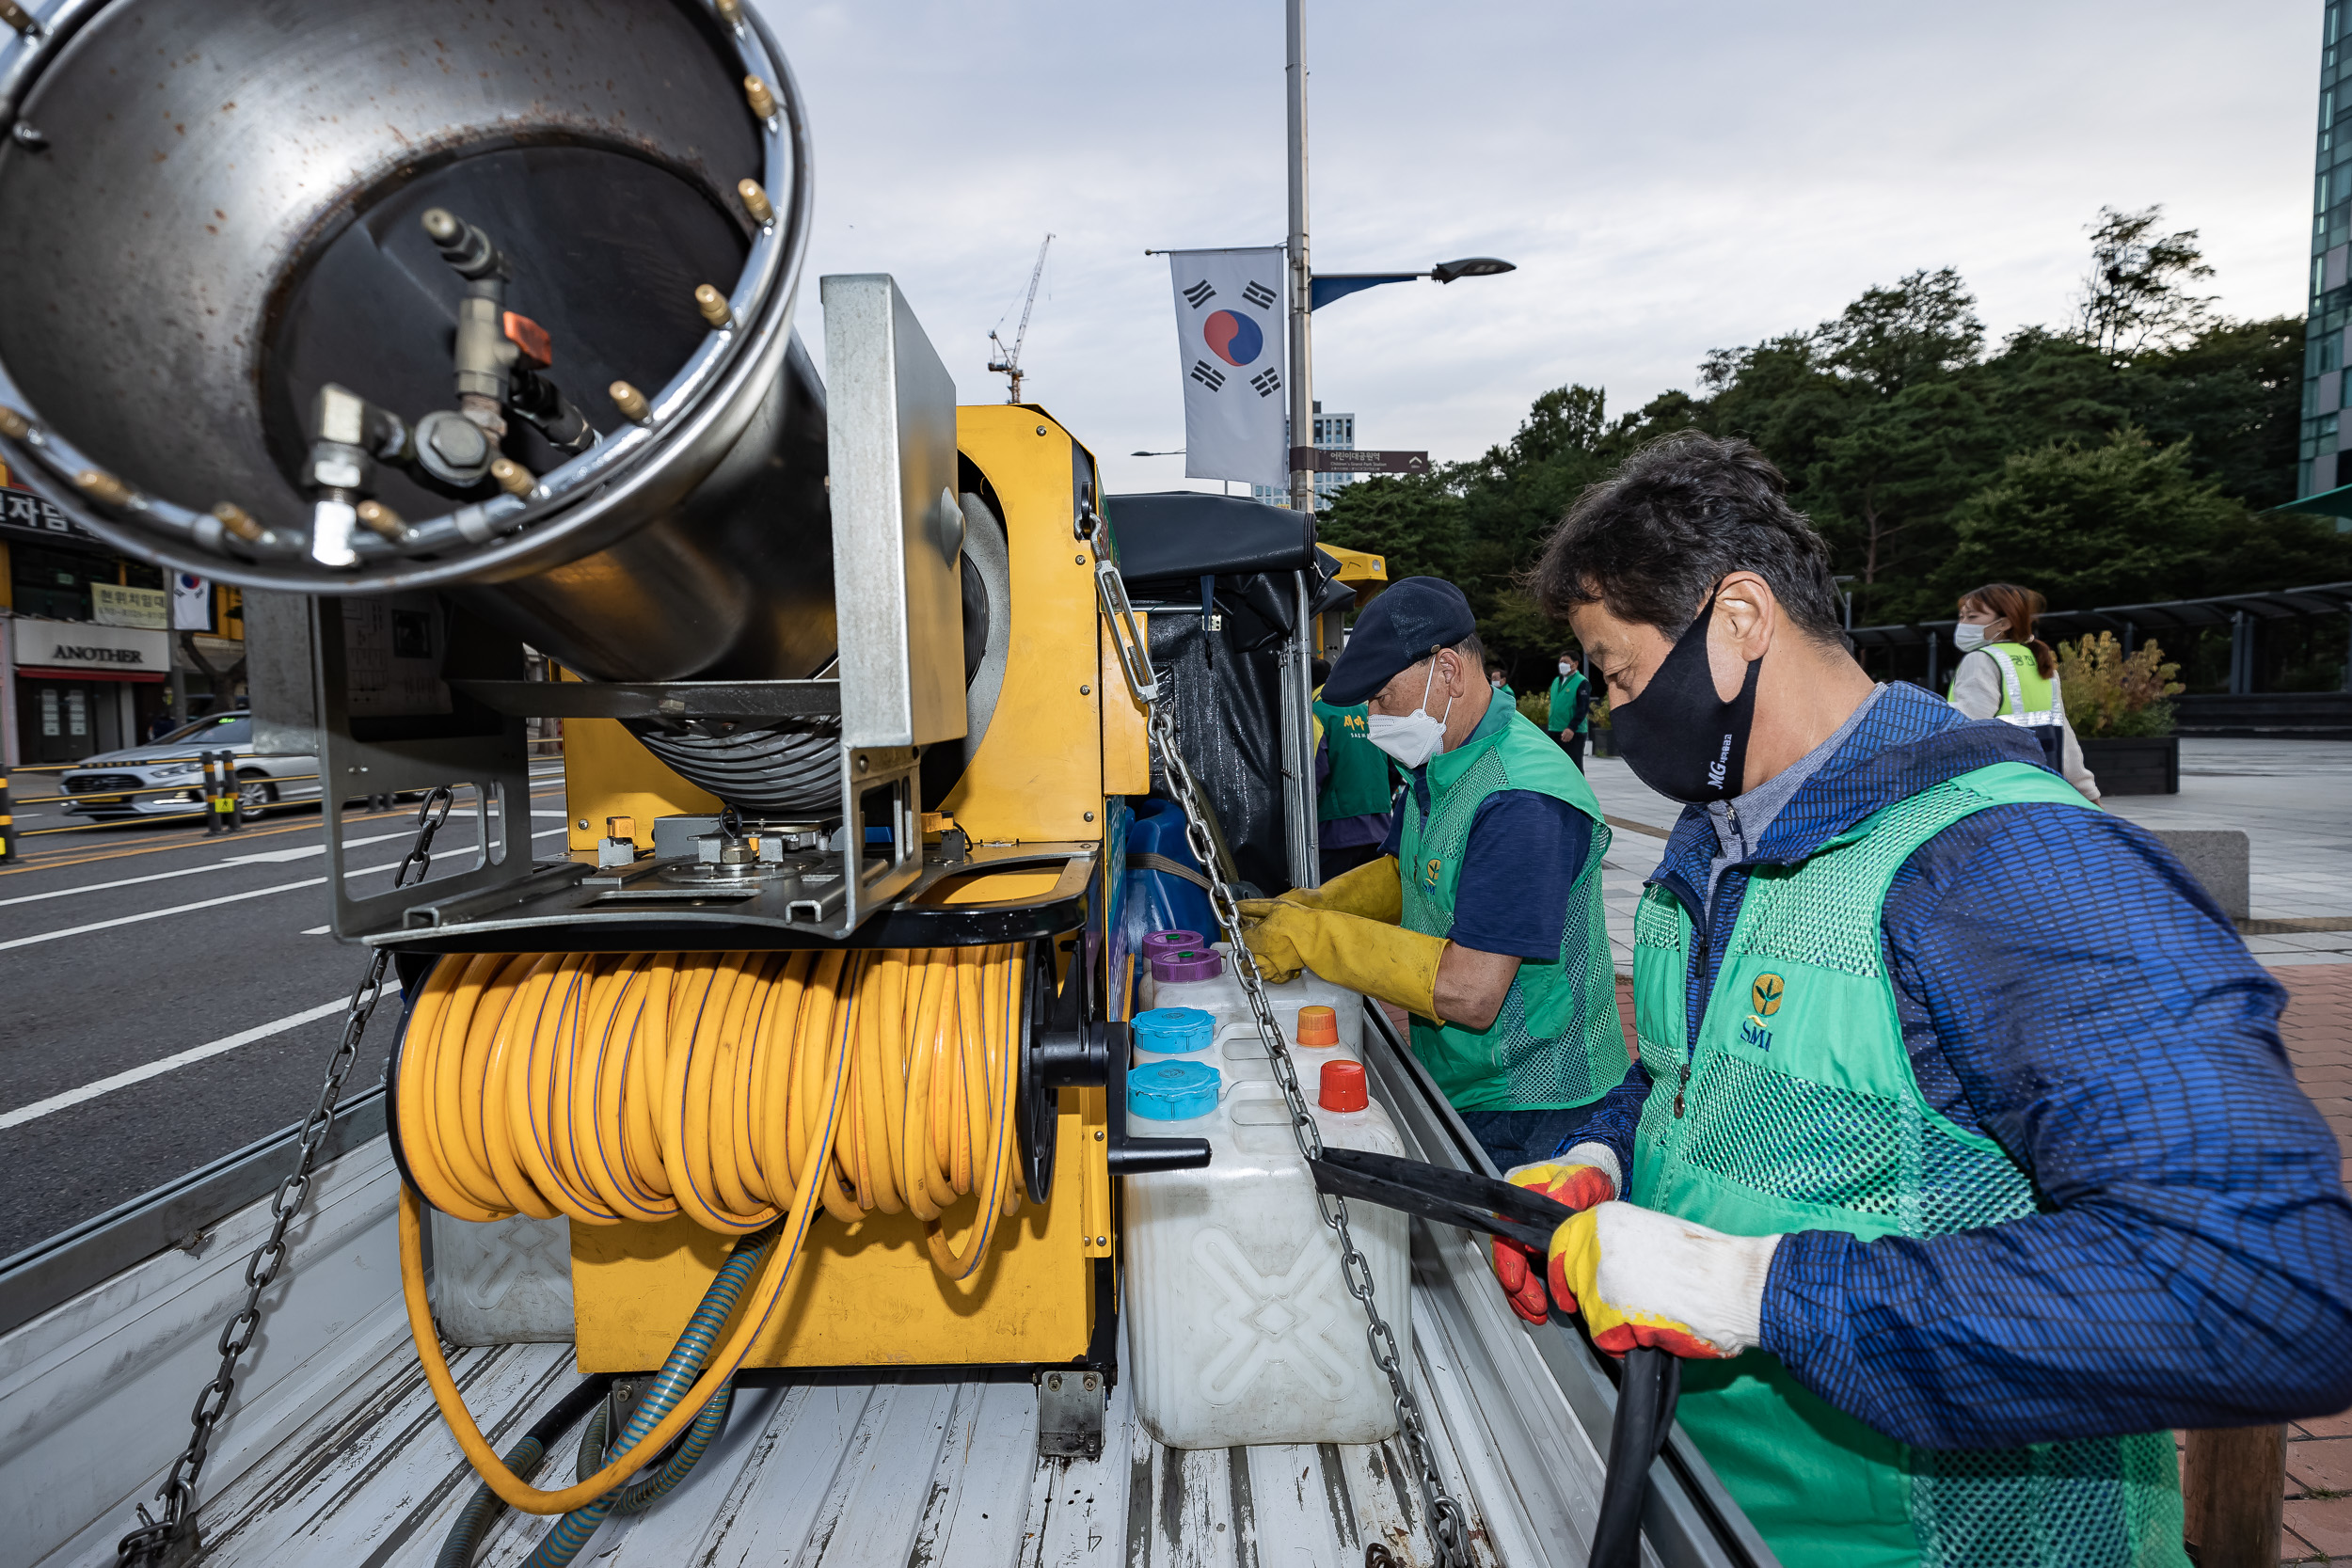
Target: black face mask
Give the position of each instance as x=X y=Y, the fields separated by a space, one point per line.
x=1680 y=739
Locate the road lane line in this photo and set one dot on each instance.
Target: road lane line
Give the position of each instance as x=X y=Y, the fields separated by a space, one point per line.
x=215 y=903
x=55 y=1103
x=267 y=857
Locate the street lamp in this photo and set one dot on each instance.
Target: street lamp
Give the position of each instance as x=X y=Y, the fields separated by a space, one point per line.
x=1325 y=287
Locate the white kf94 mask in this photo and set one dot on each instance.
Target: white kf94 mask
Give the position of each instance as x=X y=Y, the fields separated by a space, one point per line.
x=1412 y=738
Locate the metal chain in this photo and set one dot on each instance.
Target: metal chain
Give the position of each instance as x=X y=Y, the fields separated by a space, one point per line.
x=1448 y=1524
x=154 y=1541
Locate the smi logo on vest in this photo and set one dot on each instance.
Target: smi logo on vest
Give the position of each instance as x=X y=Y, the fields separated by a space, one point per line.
x=1764 y=996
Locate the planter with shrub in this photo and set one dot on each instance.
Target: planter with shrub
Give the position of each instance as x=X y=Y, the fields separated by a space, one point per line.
x=2118 y=704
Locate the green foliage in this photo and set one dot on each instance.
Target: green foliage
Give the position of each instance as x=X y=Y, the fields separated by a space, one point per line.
x=2124 y=457
x=2110 y=694
x=1536 y=706
x=2094 y=524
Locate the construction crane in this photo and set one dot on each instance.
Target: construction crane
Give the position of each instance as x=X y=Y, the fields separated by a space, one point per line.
x=1008 y=360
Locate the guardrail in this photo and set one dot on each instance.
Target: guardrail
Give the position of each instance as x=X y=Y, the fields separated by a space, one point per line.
x=210 y=796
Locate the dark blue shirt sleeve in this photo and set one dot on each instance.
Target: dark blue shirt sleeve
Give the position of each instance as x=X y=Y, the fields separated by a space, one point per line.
x=1611 y=1120
x=1523 y=855
x=2068 y=988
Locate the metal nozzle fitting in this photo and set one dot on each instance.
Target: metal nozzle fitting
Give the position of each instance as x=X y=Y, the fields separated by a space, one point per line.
x=730 y=11
x=714 y=307
x=239 y=522
x=377 y=518
x=755 y=93
x=512 y=476
x=15 y=426
x=102 y=487
x=631 y=402
x=756 y=201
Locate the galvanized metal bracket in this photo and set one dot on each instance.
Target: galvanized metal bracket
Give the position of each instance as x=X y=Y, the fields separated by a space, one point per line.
x=1070 y=1407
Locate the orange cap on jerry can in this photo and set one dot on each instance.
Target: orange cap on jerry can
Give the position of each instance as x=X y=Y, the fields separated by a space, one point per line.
x=1318 y=1026
x=1344 y=1088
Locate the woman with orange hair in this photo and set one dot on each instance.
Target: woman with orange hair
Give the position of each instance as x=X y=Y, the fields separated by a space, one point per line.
x=2007 y=673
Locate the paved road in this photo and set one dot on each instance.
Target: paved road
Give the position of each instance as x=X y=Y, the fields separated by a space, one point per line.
x=124 y=946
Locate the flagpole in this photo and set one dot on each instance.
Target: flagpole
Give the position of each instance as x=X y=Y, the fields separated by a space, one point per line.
x=1302 y=420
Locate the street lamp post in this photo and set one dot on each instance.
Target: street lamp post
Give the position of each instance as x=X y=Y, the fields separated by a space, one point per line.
x=1302 y=430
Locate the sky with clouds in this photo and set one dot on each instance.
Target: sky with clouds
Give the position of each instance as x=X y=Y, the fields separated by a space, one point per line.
x=1670 y=178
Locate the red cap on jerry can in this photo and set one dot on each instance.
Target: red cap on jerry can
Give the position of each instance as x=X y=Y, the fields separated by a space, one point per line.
x=1344 y=1088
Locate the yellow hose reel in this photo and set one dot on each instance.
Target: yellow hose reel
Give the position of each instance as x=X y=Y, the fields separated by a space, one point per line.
x=731 y=1089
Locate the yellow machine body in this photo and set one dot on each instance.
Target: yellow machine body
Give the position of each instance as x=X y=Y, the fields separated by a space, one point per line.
x=1064 y=736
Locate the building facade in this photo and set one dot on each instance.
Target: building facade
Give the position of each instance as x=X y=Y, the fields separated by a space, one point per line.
x=2319 y=469
x=1333 y=432
x=98 y=651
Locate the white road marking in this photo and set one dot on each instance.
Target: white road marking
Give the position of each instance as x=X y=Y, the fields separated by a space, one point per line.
x=214 y=903
x=317 y=930
x=55 y=1103
x=266 y=857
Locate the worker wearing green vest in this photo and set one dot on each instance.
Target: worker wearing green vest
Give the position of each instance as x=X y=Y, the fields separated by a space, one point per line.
x=1570 y=714
x=2009 y=674
x=1482 y=918
x=1962 y=1160
x=1354 y=788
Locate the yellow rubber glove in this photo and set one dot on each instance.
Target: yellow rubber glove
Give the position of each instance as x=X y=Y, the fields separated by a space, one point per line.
x=1642 y=1277
x=1583 y=1176
x=1385 y=961
x=1370 y=890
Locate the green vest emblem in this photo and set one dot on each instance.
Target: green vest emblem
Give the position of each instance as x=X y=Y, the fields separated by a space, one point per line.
x=1802 y=1113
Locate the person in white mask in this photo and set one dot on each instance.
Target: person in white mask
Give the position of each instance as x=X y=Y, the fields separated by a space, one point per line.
x=2009 y=674
x=1482 y=918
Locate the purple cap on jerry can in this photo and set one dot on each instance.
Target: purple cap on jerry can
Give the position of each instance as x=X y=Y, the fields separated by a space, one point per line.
x=1172 y=942
x=1191 y=963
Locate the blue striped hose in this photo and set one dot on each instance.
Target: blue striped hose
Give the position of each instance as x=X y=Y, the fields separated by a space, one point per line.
x=641 y=1493
x=571 y=1532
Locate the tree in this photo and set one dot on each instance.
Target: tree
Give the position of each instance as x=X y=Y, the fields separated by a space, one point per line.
x=2120 y=522
x=1922 y=328
x=2137 y=296
x=1414 y=523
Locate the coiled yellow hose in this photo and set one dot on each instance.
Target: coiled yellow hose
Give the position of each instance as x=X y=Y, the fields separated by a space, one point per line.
x=636 y=1087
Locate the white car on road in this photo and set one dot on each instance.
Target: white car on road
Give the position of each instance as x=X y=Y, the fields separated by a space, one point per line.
x=165 y=777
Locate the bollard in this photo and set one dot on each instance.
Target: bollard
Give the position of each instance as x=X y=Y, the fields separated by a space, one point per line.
x=7 y=824
x=211 y=794
x=220 y=779
x=230 y=818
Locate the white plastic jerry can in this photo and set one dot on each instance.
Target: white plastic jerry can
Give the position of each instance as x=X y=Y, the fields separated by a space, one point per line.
x=1240 y=1329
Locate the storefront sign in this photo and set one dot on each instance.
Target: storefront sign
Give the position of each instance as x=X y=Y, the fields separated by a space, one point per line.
x=25 y=515
x=120 y=653
x=114 y=606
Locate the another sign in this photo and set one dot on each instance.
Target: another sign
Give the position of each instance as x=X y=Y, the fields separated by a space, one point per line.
x=120 y=653
x=1339 y=460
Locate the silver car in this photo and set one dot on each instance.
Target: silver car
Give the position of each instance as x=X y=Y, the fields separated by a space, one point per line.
x=164 y=778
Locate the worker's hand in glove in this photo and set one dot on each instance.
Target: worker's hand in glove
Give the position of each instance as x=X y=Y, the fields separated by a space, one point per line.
x=1381 y=960
x=1372 y=891
x=1580 y=1178
x=1642 y=1277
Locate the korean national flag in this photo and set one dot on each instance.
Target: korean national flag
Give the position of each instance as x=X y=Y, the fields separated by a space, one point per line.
x=191 y=602
x=1229 y=341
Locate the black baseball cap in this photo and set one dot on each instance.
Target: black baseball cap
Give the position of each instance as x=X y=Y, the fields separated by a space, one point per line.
x=1411 y=618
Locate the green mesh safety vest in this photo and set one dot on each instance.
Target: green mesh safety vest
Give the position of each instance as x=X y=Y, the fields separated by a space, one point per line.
x=1564 y=691
x=1359 y=785
x=1797 y=1111
x=1557 y=1041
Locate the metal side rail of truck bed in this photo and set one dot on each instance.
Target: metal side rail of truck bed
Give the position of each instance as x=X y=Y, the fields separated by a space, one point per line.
x=333 y=1451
